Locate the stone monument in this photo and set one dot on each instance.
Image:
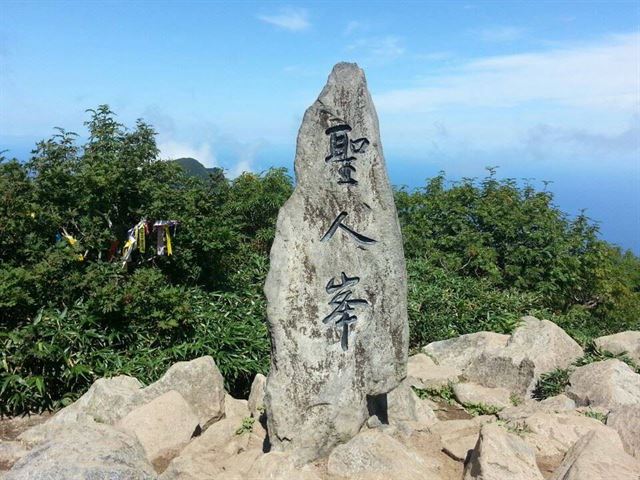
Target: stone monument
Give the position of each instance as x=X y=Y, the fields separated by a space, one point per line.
x=336 y=290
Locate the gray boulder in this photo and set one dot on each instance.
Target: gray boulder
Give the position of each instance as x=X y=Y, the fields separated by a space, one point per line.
x=626 y=421
x=199 y=382
x=423 y=372
x=460 y=351
x=608 y=384
x=281 y=466
x=473 y=394
x=106 y=401
x=256 y=396
x=624 y=342
x=499 y=455
x=459 y=437
x=163 y=426
x=336 y=288
x=598 y=455
x=557 y=404
x=374 y=455
x=407 y=410
x=88 y=451
x=219 y=451
x=536 y=347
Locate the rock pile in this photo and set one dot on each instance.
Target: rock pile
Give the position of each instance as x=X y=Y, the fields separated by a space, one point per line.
x=186 y=427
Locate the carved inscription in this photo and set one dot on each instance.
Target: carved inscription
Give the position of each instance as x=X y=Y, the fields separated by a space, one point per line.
x=342 y=149
x=343 y=305
x=337 y=223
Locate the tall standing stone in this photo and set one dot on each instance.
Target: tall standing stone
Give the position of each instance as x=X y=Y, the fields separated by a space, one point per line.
x=336 y=290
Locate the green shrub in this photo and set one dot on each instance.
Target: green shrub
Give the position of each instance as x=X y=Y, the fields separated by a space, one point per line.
x=480 y=254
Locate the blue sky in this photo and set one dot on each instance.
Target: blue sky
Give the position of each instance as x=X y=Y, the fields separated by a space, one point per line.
x=546 y=90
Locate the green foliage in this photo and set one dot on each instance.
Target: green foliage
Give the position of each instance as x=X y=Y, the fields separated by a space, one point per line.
x=551 y=383
x=439 y=394
x=479 y=255
x=600 y=416
x=515 y=399
x=555 y=382
x=247 y=425
x=518 y=428
x=477 y=409
x=593 y=354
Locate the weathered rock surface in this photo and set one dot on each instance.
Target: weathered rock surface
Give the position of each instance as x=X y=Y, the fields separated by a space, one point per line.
x=336 y=287
x=460 y=351
x=109 y=399
x=214 y=452
x=374 y=455
x=499 y=455
x=626 y=421
x=552 y=435
x=199 y=382
x=422 y=372
x=85 y=451
x=281 y=466
x=10 y=453
x=536 y=347
x=624 y=342
x=557 y=404
x=459 y=437
x=235 y=407
x=162 y=426
x=598 y=455
x=256 y=396
x=608 y=384
x=106 y=401
x=473 y=394
x=407 y=410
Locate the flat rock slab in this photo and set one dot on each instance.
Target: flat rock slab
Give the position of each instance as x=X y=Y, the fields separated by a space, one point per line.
x=459 y=437
x=460 y=351
x=423 y=373
x=557 y=404
x=336 y=287
x=473 y=394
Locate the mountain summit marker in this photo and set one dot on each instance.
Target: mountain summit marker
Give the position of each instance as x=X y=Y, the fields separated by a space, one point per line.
x=336 y=289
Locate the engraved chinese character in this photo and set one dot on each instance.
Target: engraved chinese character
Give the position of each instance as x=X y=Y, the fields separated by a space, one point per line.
x=339 y=148
x=344 y=304
x=337 y=223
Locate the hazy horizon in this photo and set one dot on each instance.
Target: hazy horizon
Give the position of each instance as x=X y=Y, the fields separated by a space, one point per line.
x=549 y=90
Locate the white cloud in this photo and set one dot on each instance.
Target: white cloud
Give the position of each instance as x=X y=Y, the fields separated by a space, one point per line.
x=600 y=76
x=501 y=34
x=292 y=19
x=378 y=49
x=203 y=152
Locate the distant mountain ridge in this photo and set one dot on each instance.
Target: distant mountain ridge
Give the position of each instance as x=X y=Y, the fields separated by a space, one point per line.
x=194 y=168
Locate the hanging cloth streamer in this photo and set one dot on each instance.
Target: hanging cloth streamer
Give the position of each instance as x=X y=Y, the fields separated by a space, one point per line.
x=72 y=241
x=135 y=239
x=163 y=228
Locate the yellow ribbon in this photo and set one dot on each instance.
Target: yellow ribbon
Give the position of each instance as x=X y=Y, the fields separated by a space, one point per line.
x=141 y=238
x=166 y=232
